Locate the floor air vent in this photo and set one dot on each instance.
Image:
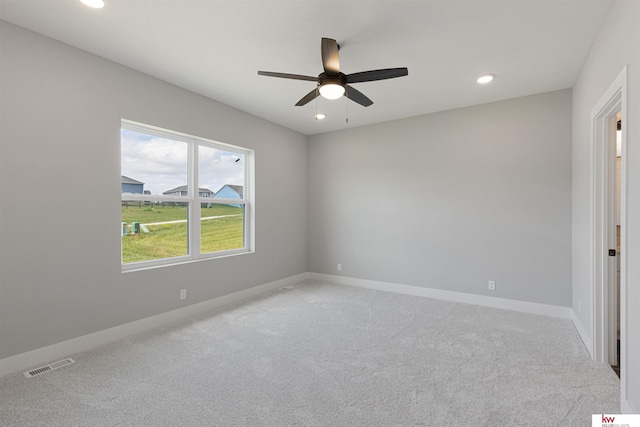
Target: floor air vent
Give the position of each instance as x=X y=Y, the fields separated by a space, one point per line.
x=47 y=368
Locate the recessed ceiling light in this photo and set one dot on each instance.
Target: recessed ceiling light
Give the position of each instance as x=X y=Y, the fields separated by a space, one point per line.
x=485 y=79
x=320 y=116
x=96 y=4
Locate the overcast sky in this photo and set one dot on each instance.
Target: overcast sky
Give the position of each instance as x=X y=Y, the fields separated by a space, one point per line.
x=162 y=163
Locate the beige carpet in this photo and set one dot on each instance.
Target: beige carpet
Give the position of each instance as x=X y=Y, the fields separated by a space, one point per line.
x=328 y=355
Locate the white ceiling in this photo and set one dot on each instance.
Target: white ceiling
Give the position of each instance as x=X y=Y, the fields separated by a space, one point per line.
x=215 y=48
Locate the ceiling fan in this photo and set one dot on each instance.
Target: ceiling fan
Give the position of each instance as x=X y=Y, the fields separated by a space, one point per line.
x=332 y=84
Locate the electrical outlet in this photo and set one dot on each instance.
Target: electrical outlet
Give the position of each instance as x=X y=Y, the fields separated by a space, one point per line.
x=183 y=294
x=339 y=267
x=492 y=285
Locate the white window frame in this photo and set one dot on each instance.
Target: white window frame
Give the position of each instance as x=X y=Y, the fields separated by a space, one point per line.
x=193 y=198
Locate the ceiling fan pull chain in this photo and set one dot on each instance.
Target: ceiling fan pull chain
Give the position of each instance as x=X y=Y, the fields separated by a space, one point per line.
x=317 y=87
x=347 y=102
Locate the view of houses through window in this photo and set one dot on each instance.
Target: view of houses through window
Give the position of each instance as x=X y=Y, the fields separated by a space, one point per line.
x=164 y=218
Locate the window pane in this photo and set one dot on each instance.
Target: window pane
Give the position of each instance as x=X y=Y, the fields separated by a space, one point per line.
x=221 y=227
x=152 y=164
x=153 y=230
x=220 y=171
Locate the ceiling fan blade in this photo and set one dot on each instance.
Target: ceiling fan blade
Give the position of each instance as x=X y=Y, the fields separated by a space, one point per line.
x=357 y=96
x=330 y=56
x=287 y=76
x=369 y=76
x=308 y=97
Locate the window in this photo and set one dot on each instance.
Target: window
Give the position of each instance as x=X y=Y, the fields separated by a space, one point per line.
x=182 y=197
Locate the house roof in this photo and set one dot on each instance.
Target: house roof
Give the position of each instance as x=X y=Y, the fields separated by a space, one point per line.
x=532 y=46
x=185 y=188
x=237 y=188
x=127 y=180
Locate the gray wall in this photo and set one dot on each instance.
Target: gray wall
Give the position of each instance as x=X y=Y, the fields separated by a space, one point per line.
x=60 y=276
x=450 y=200
x=616 y=46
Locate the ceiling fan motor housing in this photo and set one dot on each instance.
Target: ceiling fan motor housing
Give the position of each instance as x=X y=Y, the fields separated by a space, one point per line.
x=336 y=79
x=339 y=80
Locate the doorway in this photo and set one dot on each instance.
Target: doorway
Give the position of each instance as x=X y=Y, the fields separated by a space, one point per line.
x=609 y=226
x=614 y=287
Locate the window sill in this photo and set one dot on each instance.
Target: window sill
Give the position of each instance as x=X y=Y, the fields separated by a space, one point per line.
x=152 y=265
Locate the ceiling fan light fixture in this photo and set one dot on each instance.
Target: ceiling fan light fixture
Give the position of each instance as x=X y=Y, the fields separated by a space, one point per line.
x=332 y=90
x=96 y=4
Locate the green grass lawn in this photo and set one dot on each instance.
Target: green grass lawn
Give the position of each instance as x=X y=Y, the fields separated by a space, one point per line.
x=170 y=240
x=221 y=234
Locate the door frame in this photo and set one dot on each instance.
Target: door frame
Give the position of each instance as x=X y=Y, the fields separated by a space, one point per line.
x=603 y=128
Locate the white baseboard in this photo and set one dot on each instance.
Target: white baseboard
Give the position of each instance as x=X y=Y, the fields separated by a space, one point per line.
x=586 y=339
x=507 y=304
x=44 y=355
